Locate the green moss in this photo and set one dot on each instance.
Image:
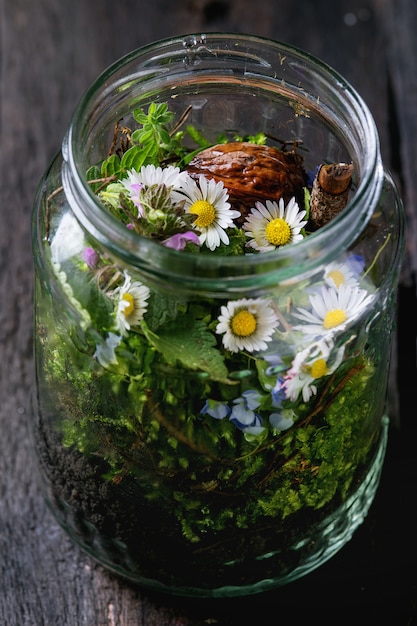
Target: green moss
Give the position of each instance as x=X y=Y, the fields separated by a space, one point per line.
x=206 y=471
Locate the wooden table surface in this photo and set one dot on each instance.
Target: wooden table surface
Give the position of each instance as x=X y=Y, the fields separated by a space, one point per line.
x=50 y=52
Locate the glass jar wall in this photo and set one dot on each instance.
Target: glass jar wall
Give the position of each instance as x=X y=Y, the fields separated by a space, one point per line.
x=209 y=408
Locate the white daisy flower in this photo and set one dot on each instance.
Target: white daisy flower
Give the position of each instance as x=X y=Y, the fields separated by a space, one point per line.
x=310 y=365
x=246 y=324
x=132 y=304
x=148 y=176
x=274 y=225
x=208 y=201
x=332 y=310
x=337 y=274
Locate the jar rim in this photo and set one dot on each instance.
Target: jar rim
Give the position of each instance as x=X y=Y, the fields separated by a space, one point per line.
x=156 y=260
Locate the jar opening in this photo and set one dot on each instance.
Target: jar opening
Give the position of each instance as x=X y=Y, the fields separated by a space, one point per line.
x=233 y=85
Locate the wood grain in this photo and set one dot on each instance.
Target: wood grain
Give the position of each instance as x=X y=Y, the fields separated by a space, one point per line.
x=50 y=52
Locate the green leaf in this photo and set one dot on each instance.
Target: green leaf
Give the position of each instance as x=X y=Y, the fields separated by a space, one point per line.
x=94 y=173
x=191 y=344
x=144 y=135
x=162 y=309
x=111 y=166
x=259 y=138
x=158 y=113
x=198 y=137
x=164 y=136
x=111 y=196
x=135 y=157
x=306 y=202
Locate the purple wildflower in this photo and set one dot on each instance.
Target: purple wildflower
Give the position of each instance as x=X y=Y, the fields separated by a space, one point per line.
x=180 y=240
x=90 y=256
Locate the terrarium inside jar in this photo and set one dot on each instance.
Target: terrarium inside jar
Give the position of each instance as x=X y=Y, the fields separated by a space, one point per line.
x=217 y=252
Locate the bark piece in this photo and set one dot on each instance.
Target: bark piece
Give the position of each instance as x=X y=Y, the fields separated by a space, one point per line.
x=330 y=192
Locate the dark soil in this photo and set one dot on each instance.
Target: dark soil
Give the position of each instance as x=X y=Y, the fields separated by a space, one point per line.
x=143 y=541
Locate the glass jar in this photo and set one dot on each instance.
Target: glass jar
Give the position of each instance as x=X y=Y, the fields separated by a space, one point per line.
x=214 y=424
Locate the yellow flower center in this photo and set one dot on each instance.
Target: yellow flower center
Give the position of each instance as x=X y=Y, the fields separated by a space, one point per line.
x=278 y=232
x=319 y=368
x=334 y=318
x=205 y=212
x=337 y=277
x=127 y=297
x=243 y=324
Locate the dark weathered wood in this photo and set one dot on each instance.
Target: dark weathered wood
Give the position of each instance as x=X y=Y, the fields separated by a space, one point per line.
x=400 y=55
x=50 y=52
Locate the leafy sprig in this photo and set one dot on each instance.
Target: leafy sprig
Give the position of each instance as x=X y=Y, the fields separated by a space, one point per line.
x=159 y=141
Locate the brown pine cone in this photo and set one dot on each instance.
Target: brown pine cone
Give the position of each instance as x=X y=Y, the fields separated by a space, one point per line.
x=251 y=172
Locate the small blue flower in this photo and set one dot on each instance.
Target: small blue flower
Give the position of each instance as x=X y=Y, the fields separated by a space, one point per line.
x=278 y=392
x=243 y=415
x=216 y=409
x=356 y=263
x=281 y=421
x=250 y=398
